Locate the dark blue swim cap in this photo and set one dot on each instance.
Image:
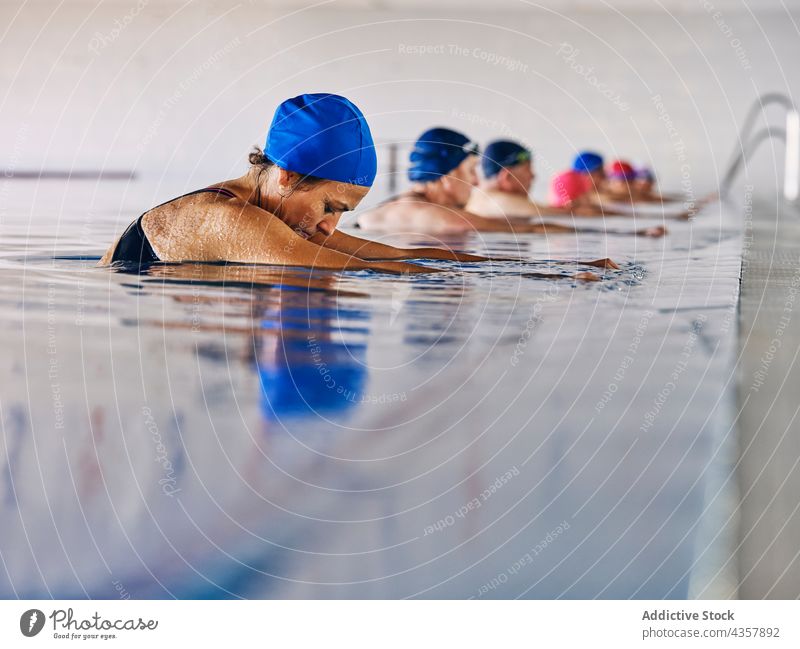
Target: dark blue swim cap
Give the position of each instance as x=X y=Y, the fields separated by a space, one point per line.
x=501 y=154
x=437 y=152
x=323 y=135
x=587 y=162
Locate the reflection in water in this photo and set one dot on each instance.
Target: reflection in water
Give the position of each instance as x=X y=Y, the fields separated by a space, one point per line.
x=305 y=368
x=177 y=455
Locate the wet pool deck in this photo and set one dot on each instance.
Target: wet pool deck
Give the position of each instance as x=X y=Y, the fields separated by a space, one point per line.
x=768 y=557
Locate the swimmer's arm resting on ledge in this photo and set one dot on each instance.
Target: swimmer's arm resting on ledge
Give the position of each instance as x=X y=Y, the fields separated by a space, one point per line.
x=659 y=198
x=365 y=249
x=254 y=236
x=277 y=243
x=515 y=207
x=438 y=219
x=481 y=224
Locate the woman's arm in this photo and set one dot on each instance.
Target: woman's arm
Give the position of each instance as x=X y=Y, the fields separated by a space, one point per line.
x=365 y=249
x=525 y=207
x=252 y=235
x=441 y=219
x=658 y=198
x=547 y=228
x=500 y=225
x=105 y=260
x=592 y=209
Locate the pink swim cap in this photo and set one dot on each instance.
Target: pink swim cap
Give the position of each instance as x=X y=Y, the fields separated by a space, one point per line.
x=568 y=186
x=621 y=170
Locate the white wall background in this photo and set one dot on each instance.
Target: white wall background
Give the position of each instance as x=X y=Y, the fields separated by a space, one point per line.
x=181 y=90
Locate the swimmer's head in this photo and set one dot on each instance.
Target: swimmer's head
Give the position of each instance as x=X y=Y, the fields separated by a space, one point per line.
x=320 y=159
x=620 y=176
x=645 y=180
x=507 y=167
x=591 y=164
x=447 y=158
x=621 y=169
x=568 y=187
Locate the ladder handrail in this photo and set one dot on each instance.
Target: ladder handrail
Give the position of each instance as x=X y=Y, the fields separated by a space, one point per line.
x=790 y=135
x=764 y=134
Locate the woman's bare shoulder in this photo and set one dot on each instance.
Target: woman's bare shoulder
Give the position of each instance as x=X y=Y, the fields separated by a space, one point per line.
x=204 y=228
x=105 y=260
x=396 y=214
x=413 y=216
x=498 y=204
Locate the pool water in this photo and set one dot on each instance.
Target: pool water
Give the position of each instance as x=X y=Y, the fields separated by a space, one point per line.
x=241 y=431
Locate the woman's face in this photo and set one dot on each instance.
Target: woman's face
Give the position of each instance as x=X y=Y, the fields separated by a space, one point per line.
x=459 y=182
x=617 y=185
x=317 y=207
x=598 y=177
x=517 y=179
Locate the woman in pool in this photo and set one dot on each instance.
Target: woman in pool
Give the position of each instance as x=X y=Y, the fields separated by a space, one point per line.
x=443 y=176
x=589 y=190
x=319 y=161
x=507 y=177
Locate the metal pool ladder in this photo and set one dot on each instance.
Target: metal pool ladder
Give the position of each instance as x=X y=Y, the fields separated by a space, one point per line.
x=790 y=135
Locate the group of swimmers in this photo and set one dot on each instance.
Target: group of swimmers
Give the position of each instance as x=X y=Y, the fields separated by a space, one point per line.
x=449 y=195
x=319 y=162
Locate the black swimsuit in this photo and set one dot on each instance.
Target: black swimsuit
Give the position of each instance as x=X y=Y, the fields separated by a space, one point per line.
x=133 y=246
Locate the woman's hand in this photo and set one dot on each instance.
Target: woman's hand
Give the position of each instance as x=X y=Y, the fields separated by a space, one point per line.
x=398 y=268
x=601 y=263
x=441 y=253
x=655 y=231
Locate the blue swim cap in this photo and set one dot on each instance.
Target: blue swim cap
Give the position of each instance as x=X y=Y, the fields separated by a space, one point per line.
x=437 y=152
x=292 y=386
x=323 y=135
x=312 y=374
x=503 y=153
x=587 y=162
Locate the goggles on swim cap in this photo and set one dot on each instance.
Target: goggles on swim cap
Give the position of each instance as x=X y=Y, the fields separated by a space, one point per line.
x=587 y=162
x=501 y=154
x=323 y=135
x=437 y=152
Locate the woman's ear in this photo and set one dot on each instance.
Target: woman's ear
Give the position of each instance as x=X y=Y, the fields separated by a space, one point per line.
x=504 y=179
x=288 y=181
x=283 y=181
x=447 y=183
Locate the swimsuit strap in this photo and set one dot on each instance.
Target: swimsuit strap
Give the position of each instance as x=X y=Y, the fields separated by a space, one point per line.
x=205 y=190
x=214 y=190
